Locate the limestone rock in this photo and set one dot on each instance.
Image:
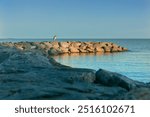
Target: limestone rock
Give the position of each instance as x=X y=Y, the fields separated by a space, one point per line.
x=64 y=50
x=42 y=46
x=99 y=49
x=114 y=49
x=73 y=49
x=120 y=49
x=90 y=49
x=48 y=45
x=83 y=46
x=75 y=44
x=55 y=44
x=82 y=50
x=64 y=44
x=124 y=49
x=96 y=45
x=107 y=49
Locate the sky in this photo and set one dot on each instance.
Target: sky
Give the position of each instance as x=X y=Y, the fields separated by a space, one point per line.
x=75 y=18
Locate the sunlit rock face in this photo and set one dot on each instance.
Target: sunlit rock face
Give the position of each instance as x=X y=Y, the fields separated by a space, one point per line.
x=55 y=48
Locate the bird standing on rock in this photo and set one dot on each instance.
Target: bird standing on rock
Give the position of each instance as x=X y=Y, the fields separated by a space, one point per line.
x=54 y=38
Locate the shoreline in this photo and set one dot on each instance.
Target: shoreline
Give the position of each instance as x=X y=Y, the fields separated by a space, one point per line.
x=29 y=63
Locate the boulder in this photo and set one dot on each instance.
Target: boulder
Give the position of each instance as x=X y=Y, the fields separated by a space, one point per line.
x=48 y=45
x=73 y=49
x=19 y=46
x=42 y=46
x=99 y=49
x=96 y=45
x=79 y=75
x=37 y=44
x=90 y=45
x=103 y=44
x=55 y=44
x=22 y=62
x=114 y=49
x=33 y=47
x=124 y=49
x=6 y=52
x=114 y=79
x=107 y=49
x=9 y=44
x=54 y=51
x=64 y=50
x=75 y=44
x=64 y=44
x=82 y=50
x=138 y=94
x=108 y=44
x=83 y=46
x=120 y=49
x=90 y=49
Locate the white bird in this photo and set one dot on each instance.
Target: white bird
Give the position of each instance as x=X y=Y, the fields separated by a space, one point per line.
x=54 y=38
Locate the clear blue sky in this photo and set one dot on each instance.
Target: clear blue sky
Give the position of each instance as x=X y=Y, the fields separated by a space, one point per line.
x=75 y=18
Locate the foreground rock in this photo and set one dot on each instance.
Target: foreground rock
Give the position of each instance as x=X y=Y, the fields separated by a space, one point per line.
x=32 y=75
x=114 y=79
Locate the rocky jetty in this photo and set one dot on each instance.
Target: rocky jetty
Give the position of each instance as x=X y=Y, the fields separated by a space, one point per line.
x=30 y=72
x=55 y=48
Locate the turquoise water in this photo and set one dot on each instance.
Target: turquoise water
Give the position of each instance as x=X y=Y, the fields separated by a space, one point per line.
x=134 y=64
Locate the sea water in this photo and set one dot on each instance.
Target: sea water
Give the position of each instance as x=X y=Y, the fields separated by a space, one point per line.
x=134 y=63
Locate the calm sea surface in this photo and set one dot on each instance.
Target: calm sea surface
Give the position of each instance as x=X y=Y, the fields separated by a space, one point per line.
x=134 y=64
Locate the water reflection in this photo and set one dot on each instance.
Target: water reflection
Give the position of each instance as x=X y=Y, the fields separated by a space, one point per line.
x=83 y=59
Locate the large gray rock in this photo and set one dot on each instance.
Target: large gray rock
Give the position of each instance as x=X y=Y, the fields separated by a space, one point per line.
x=138 y=94
x=114 y=79
x=24 y=62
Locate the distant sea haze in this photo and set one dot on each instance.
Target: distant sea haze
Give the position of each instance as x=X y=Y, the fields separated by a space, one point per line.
x=134 y=63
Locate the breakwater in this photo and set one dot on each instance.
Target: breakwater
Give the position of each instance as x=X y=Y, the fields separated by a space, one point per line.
x=55 y=48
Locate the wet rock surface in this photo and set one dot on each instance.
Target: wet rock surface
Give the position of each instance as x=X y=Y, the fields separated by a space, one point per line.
x=32 y=74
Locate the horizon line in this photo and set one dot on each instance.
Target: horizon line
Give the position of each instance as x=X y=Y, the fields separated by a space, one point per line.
x=65 y=38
